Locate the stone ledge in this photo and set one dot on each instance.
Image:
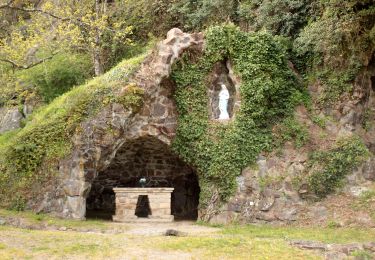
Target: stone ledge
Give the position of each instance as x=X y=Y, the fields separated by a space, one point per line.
x=143 y=220
x=143 y=190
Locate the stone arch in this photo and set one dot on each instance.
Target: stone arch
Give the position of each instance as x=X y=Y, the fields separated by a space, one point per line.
x=98 y=139
x=145 y=156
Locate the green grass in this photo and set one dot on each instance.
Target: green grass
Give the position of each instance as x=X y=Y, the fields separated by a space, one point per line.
x=34 y=244
x=236 y=247
x=32 y=218
x=226 y=242
x=326 y=235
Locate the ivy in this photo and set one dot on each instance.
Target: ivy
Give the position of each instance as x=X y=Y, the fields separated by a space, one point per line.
x=268 y=90
x=291 y=130
x=328 y=168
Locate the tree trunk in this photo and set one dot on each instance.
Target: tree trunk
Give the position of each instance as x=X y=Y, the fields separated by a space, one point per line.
x=97 y=63
x=98 y=68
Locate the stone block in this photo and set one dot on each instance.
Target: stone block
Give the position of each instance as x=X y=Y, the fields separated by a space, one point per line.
x=159 y=202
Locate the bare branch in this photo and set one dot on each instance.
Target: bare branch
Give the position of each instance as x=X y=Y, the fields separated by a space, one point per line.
x=38 y=10
x=35 y=10
x=24 y=67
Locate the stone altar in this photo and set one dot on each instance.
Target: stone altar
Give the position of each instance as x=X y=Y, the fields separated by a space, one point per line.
x=159 y=202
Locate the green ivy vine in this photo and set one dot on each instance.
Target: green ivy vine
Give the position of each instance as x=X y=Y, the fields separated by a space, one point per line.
x=328 y=168
x=269 y=91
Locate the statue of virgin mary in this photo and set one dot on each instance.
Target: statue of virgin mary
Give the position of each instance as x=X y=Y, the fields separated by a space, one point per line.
x=223 y=102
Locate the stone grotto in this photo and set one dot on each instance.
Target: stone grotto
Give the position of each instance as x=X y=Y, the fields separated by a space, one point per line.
x=119 y=146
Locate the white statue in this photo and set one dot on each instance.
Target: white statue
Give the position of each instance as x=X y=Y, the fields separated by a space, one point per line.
x=223 y=102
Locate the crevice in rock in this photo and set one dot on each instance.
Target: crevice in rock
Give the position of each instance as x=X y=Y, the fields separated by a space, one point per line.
x=220 y=75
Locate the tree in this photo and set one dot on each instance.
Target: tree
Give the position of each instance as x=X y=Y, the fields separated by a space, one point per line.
x=283 y=17
x=197 y=15
x=85 y=26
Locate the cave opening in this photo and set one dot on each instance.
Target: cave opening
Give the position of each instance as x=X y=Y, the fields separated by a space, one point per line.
x=152 y=159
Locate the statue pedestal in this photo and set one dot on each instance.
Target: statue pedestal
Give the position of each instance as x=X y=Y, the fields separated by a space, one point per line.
x=159 y=199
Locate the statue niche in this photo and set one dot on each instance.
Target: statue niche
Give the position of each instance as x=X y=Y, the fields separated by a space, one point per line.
x=222 y=93
x=223 y=102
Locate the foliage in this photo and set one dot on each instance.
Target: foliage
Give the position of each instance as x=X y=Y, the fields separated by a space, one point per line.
x=319 y=120
x=367 y=121
x=362 y=254
x=282 y=17
x=132 y=96
x=366 y=202
x=28 y=42
x=339 y=44
x=335 y=84
x=29 y=156
x=268 y=90
x=291 y=130
x=147 y=16
x=18 y=203
x=342 y=33
x=54 y=26
x=197 y=15
x=58 y=75
x=328 y=168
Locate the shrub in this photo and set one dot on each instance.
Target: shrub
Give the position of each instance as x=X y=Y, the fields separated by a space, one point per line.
x=291 y=130
x=58 y=75
x=328 y=168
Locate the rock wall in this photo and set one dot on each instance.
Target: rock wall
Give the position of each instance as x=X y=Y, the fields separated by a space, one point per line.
x=10 y=119
x=268 y=192
x=12 y=116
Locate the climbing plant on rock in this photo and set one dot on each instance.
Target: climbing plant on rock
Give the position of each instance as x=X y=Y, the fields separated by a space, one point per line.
x=268 y=91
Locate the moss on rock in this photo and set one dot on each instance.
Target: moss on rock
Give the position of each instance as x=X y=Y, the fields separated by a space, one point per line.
x=30 y=154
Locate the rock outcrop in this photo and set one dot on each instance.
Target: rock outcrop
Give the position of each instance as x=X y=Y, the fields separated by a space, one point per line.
x=10 y=119
x=273 y=192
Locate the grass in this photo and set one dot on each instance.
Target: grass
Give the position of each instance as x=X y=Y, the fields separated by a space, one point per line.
x=53 y=244
x=236 y=247
x=31 y=244
x=32 y=218
x=326 y=235
x=225 y=242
